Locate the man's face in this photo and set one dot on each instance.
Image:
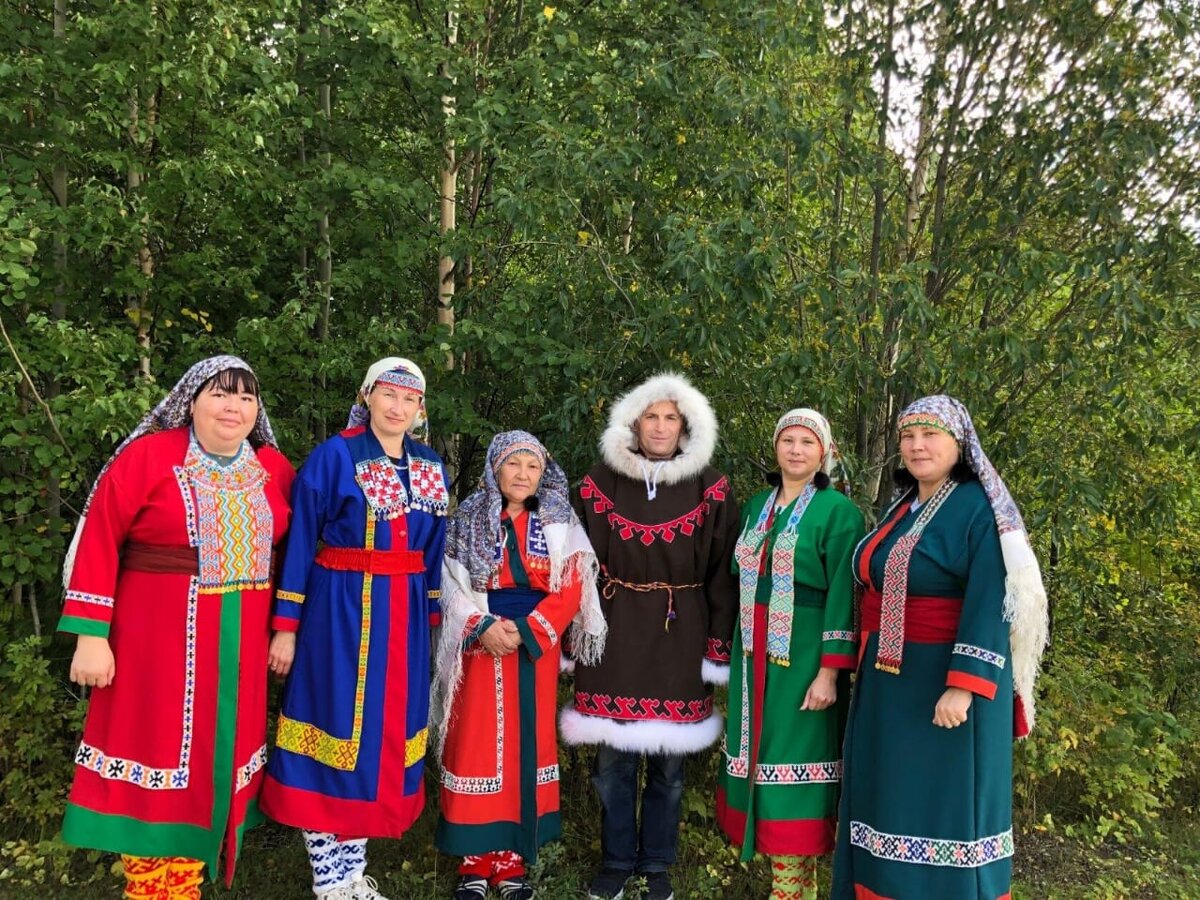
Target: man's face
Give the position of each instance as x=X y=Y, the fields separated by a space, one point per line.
x=658 y=429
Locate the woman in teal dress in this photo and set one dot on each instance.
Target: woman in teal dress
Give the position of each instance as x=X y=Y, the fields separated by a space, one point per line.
x=778 y=788
x=953 y=621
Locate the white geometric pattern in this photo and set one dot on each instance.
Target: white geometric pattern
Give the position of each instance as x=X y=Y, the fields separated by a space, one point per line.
x=932 y=851
x=463 y=784
x=117 y=769
x=980 y=653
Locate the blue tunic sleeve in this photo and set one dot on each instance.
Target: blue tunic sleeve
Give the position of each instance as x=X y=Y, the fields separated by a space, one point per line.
x=309 y=512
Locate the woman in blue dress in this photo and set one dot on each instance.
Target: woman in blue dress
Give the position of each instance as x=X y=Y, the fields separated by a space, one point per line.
x=356 y=597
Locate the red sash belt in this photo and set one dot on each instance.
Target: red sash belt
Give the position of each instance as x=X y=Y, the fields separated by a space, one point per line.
x=159 y=559
x=377 y=562
x=927 y=620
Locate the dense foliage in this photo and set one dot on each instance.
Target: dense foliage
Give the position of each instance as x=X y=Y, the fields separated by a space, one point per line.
x=846 y=205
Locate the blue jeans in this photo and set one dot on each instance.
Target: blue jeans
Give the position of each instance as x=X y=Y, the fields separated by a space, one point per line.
x=622 y=844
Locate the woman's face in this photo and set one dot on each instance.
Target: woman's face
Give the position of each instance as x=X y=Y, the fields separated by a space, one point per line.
x=393 y=410
x=519 y=476
x=222 y=419
x=798 y=451
x=928 y=453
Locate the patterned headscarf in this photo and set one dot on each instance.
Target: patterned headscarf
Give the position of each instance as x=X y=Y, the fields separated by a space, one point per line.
x=817 y=424
x=748 y=552
x=397 y=372
x=173 y=411
x=1025 y=603
x=474 y=529
x=471 y=561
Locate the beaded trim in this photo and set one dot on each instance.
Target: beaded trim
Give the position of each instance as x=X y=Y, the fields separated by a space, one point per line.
x=781 y=606
x=932 y=851
x=115 y=768
x=980 y=653
x=463 y=784
x=890 y=652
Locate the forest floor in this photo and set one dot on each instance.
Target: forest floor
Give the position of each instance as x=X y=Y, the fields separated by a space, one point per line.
x=1048 y=866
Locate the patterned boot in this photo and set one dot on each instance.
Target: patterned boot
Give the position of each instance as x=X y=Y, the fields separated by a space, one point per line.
x=330 y=879
x=145 y=877
x=793 y=878
x=184 y=877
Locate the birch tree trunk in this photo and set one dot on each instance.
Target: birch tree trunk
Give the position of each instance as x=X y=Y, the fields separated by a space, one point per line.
x=139 y=308
x=448 y=194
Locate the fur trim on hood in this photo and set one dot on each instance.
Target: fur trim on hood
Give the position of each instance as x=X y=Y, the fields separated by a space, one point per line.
x=618 y=444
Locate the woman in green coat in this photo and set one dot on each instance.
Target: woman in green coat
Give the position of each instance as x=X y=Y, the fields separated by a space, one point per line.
x=953 y=623
x=778 y=789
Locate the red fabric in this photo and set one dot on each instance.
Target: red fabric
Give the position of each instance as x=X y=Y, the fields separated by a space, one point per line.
x=839 y=661
x=972 y=683
x=798 y=837
x=392 y=812
x=927 y=620
x=1021 y=727
x=139 y=499
x=648 y=534
x=861 y=892
x=486 y=713
x=876 y=538
x=377 y=562
x=496 y=866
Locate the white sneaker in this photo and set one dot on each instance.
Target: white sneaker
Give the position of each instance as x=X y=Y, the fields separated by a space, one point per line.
x=346 y=892
x=364 y=887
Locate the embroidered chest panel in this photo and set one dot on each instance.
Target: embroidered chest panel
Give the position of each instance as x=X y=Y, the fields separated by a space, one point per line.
x=628 y=529
x=229 y=519
x=388 y=498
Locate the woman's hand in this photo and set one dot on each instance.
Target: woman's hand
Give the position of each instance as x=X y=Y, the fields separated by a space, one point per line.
x=282 y=652
x=501 y=638
x=951 y=709
x=822 y=693
x=93 y=664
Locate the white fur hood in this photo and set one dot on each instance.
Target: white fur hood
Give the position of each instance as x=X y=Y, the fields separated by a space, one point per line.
x=618 y=444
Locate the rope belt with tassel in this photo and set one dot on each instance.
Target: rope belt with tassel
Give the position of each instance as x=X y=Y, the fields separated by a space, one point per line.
x=610 y=591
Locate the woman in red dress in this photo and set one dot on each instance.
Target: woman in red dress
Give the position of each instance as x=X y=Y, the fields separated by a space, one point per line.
x=519 y=571
x=168 y=589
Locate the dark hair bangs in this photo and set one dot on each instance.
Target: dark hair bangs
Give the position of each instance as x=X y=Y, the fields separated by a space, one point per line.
x=231 y=381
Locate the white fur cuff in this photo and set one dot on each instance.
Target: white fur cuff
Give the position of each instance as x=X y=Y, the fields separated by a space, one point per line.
x=714 y=673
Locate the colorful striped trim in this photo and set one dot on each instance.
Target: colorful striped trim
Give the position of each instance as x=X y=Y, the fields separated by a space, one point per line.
x=637 y=709
x=980 y=653
x=828 y=772
x=799 y=773
x=627 y=529
x=309 y=740
x=928 y=851
x=839 y=636
x=803 y=421
x=545 y=623
x=83 y=597
x=246 y=773
x=748 y=552
x=414 y=747
x=402 y=379
x=463 y=784
x=924 y=420
x=115 y=768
